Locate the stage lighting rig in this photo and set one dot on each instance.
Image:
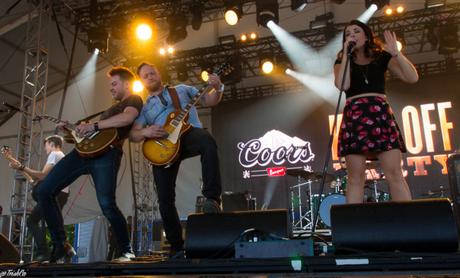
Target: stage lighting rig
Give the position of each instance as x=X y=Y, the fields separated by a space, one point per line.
x=379 y=3
x=267 y=10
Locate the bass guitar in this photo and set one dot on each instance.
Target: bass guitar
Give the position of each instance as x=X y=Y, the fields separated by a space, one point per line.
x=164 y=151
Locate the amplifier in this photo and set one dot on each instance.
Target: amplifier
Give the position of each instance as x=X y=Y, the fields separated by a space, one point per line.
x=274 y=249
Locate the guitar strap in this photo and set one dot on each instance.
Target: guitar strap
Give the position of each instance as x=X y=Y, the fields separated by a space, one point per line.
x=175 y=99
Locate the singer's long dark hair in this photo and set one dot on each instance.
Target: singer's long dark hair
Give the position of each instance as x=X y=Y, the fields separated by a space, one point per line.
x=372 y=47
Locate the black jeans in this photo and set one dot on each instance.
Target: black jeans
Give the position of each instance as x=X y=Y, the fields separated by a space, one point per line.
x=104 y=170
x=39 y=232
x=196 y=141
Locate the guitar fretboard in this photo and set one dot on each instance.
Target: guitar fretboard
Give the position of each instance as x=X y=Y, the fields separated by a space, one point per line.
x=184 y=112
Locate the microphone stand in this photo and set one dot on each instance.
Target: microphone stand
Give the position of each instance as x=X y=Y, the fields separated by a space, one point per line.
x=329 y=146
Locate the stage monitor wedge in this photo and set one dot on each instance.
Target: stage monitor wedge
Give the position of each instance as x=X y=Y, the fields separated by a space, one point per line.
x=413 y=226
x=214 y=235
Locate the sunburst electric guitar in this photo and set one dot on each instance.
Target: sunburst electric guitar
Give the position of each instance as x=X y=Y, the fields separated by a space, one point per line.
x=6 y=152
x=164 y=151
x=92 y=144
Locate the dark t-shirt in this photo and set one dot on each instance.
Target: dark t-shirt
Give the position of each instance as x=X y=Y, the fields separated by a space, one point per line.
x=368 y=78
x=134 y=101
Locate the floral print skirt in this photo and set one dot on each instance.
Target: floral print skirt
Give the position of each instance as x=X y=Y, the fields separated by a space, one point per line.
x=368 y=127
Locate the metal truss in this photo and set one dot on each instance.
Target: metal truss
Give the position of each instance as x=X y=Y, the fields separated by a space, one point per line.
x=147 y=210
x=294 y=87
x=412 y=26
x=29 y=139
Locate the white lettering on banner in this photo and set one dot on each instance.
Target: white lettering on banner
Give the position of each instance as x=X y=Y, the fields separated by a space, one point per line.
x=276 y=148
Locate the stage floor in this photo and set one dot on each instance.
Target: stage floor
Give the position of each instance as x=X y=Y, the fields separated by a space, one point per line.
x=363 y=265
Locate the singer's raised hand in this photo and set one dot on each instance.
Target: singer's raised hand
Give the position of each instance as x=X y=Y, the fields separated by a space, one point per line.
x=391 y=45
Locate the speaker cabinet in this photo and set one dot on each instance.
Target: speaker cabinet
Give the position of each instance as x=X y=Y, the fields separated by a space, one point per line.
x=8 y=253
x=413 y=226
x=214 y=235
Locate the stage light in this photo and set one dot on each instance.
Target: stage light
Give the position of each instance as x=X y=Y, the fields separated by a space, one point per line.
x=399 y=45
x=267 y=67
x=298 y=5
x=266 y=62
x=98 y=38
x=144 y=32
x=400 y=40
x=96 y=51
x=434 y=3
x=137 y=86
x=162 y=51
x=322 y=21
x=400 y=9
x=266 y=11
x=448 y=38
x=253 y=36
x=177 y=28
x=171 y=50
x=228 y=39
x=379 y=3
x=182 y=72
x=205 y=75
x=283 y=63
x=388 y=11
x=196 y=9
x=243 y=37
x=233 y=11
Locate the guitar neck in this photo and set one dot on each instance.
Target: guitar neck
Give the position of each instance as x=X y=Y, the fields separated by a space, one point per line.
x=184 y=112
x=57 y=121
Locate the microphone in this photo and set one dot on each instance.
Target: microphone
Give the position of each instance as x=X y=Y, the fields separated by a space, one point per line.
x=351 y=44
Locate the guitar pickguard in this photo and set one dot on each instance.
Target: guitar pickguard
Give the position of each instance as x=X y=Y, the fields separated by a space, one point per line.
x=175 y=135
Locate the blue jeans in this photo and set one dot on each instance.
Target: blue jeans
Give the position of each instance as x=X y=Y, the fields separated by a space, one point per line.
x=103 y=169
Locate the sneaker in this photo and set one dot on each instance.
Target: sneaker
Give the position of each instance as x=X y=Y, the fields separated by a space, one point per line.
x=177 y=254
x=125 y=257
x=211 y=206
x=62 y=253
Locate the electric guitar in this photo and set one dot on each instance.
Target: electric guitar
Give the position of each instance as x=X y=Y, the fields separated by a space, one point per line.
x=92 y=144
x=164 y=151
x=6 y=152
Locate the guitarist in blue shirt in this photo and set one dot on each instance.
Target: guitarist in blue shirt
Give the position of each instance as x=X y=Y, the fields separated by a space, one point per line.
x=152 y=123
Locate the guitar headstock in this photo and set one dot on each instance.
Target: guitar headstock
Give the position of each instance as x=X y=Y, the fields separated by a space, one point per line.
x=6 y=151
x=224 y=69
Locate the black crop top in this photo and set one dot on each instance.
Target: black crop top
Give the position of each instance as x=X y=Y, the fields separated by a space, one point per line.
x=368 y=78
